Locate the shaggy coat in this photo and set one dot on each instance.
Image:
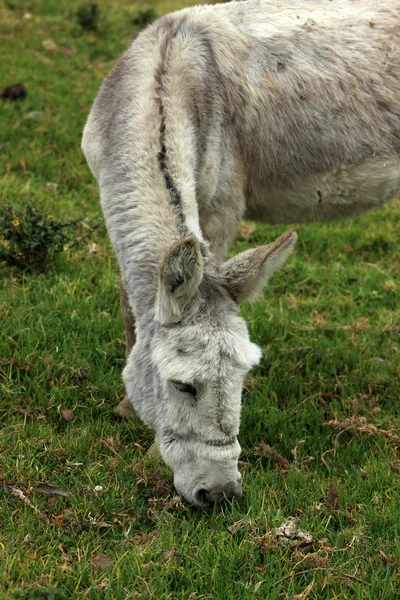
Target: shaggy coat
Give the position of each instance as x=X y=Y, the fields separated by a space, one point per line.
x=282 y=112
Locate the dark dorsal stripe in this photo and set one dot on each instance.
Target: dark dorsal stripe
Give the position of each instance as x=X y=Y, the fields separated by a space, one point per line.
x=175 y=195
x=162 y=156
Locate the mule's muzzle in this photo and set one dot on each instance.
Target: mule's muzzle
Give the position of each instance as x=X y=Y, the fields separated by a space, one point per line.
x=204 y=481
x=204 y=497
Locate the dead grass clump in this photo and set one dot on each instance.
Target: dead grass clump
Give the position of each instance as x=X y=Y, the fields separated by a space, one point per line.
x=263 y=450
x=358 y=425
x=244 y=525
x=366 y=403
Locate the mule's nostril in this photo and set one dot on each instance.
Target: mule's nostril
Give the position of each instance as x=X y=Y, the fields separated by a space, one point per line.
x=204 y=497
x=200 y=496
x=234 y=490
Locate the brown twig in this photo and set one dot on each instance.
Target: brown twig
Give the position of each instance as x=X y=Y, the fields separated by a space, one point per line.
x=22 y=496
x=79 y=238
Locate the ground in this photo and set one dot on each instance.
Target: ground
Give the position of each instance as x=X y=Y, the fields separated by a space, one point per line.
x=321 y=423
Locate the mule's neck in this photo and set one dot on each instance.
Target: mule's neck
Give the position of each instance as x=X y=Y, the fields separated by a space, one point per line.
x=148 y=188
x=166 y=154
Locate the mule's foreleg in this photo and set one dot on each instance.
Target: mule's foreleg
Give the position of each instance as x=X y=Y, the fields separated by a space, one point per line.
x=124 y=408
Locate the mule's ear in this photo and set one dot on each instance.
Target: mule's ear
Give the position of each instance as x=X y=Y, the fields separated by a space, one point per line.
x=179 y=278
x=248 y=272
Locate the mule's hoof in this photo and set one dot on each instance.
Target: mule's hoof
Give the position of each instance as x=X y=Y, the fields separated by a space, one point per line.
x=153 y=451
x=124 y=409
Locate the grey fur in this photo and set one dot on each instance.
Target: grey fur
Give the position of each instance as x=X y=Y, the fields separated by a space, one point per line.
x=279 y=111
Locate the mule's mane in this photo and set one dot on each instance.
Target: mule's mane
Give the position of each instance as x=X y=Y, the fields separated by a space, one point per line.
x=162 y=155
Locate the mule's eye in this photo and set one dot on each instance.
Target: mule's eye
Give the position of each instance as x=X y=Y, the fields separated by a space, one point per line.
x=185 y=388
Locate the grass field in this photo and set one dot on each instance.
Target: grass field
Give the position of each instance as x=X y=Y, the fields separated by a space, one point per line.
x=321 y=417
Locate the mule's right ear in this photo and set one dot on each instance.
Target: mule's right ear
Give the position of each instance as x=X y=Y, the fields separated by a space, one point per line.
x=179 y=278
x=248 y=272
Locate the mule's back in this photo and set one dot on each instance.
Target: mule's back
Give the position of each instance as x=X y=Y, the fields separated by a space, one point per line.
x=276 y=100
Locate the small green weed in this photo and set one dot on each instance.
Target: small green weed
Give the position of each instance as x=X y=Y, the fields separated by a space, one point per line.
x=88 y=16
x=29 y=237
x=49 y=593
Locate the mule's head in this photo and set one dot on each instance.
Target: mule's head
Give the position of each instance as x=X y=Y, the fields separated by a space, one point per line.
x=185 y=373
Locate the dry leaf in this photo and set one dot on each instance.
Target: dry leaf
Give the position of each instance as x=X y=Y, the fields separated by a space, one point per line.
x=124 y=409
x=51 y=186
x=43 y=488
x=61 y=520
x=153 y=451
x=392 y=561
x=176 y=502
x=304 y=595
x=49 y=45
x=152 y=515
x=172 y=555
x=102 y=560
x=388 y=285
x=332 y=497
x=290 y=531
x=66 y=413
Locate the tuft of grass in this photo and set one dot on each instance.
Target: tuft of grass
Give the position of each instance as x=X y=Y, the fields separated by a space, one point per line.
x=320 y=412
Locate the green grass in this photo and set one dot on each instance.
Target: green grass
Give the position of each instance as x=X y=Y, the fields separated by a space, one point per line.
x=329 y=327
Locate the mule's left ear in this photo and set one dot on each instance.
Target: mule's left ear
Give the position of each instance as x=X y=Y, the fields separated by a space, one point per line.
x=248 y=272
x=179 y=278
